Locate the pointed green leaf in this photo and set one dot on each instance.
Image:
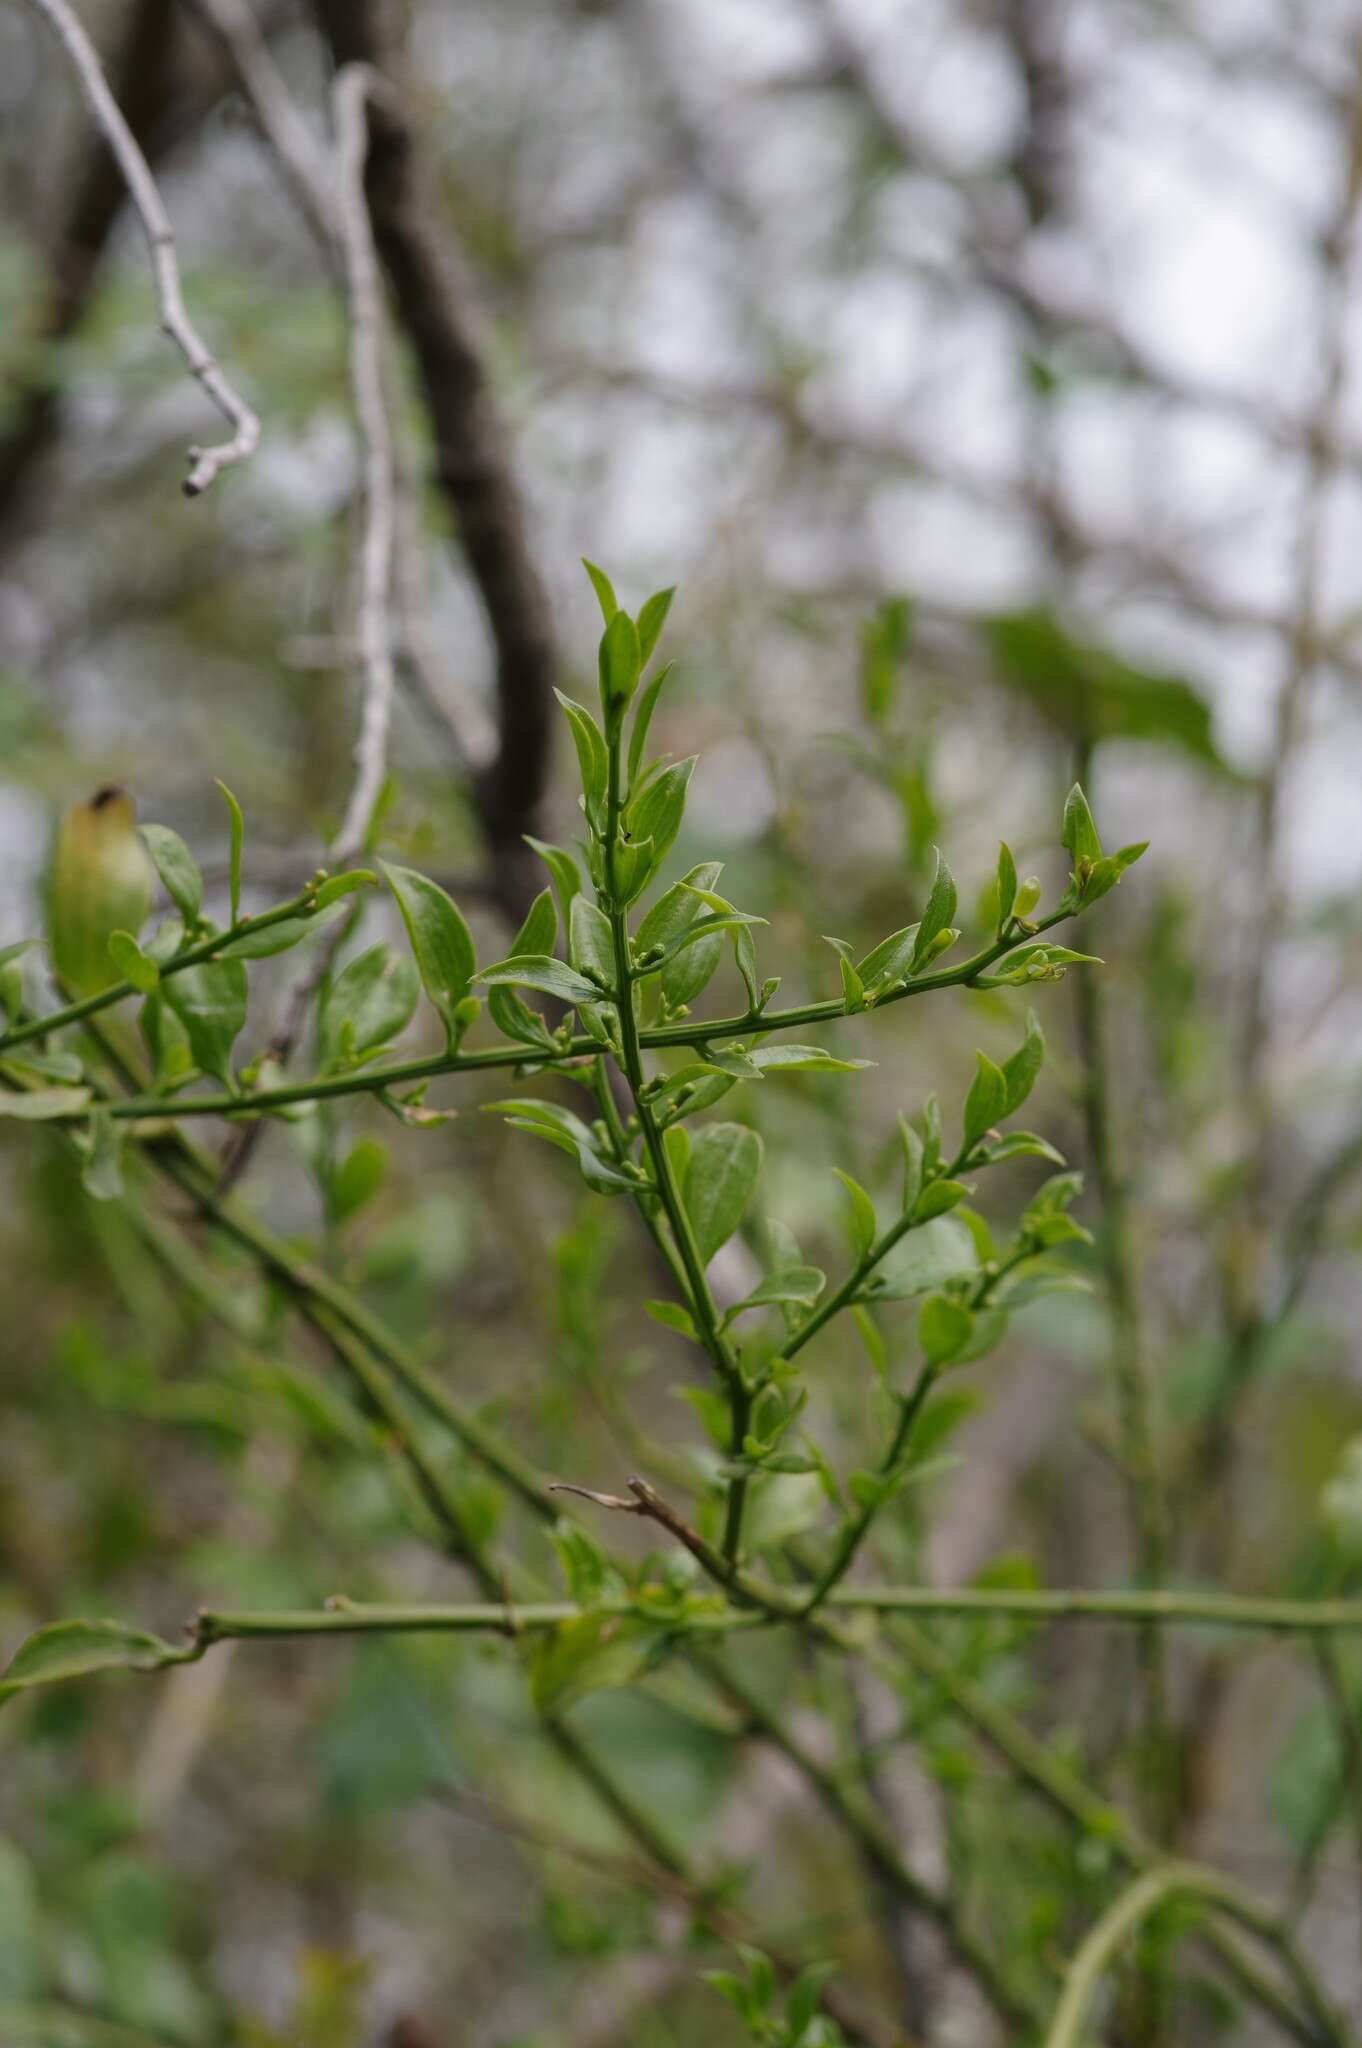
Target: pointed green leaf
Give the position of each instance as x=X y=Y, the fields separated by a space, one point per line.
x=643 y=718
x=38 y=1105
x=724 y=1164
x=132 y=963
x=101 y=1173
x=986 y=1101
x=604 y=589
x=592 y=759
x=210 y=1002
x=370 y=1001
x=620 y=662
x=937 y=916
x=1007 y=885
x=864 y=1227
x=1080 y=838
x=238 y=832
x=1020 y=1071
x=440 y=940
x=73 y=1649
x=944 y=1328
x=178 y=869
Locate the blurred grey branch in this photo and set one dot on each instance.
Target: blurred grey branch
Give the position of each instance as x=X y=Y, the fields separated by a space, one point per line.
x=205 y=463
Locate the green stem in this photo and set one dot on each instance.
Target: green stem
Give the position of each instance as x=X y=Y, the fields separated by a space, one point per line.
x=373 y=1080
x=875 y=1844
x=193 y=956
x=701 y=1301
x=1135 y=1905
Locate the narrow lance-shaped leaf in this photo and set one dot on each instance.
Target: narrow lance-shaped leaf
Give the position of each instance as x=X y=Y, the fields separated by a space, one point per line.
x=1020 y=1071
x=563 y=872
x=440 y=940
x=101 y=1173
x=73 y=1649
x=591 y=945
x=620 y=662
x=592 y=760
x=863 y=1224
x=604 y=589
x=1080 y=833
x=178 y=869
x=986 y=1101
x=238 y=832
x=537 y=935
x=1007 y=885
x=936 y=918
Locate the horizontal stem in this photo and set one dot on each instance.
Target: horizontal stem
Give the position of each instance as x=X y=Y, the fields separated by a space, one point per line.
x=192 y=956
x=370 y=1080
x=345 y=1617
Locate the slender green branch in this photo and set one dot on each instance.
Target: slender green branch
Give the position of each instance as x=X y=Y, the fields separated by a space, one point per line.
x=302 y=905
x=375 y=1080
x=875 y=1844
x=1136 y=1904
x=703 y=1308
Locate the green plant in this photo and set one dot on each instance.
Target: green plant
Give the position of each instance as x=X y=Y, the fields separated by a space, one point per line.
x=602 y=1001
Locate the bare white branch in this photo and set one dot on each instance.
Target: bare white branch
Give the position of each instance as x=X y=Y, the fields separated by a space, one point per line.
x=349 y=94
x=301 y=157
x=205 y=463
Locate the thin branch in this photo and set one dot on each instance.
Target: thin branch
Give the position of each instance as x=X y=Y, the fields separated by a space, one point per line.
x=350 y=93
x=301 y=158
x=205 y=463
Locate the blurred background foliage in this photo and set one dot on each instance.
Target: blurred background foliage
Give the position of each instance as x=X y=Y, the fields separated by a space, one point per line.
x=981 y=374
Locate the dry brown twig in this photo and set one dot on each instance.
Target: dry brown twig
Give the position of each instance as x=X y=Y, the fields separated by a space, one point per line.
x=205 y=463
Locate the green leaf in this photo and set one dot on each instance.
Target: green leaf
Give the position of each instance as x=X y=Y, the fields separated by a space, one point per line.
x=1022 y=1145
x=604 y=589
x=912 y=1164
x=798 y=1284
x=643 y=718
x=210 y=1002
x=1080 y=834
x=864 y=1227
x=132 y=963
x=1007 y=885
x=1020 y=1071
x=357 y=1179
x=933 y=1253
x=794 y=1059
x=73 y=1649
x=940 y=910
x=1039 y=963
x=937 y=1197
x=552 y=977
x=178 y=869
x=167 y=1041
x=563 y=872
x=620 y=663
x=1107 y=872
x=370 y=1001
x=538 y=935
x=651 y=619
x=238 y=832
x=853 y=992
x=884 y=643
x=440 y=940
x=986 y=1101
x=101 y=1173
x=270 y=939
x=675 y=910
x=888 y=962
x=944 y=1328
x=591 y=946
x=592 y=759
x=1088 y=691
x=589 y=1654
x=561 y=1128
x=657 y=811
x=724 y=1164
x=38 y=1105
x=336 y=886
x=672 y=1316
